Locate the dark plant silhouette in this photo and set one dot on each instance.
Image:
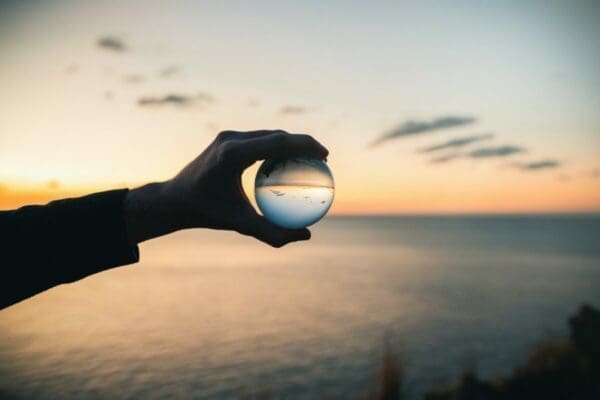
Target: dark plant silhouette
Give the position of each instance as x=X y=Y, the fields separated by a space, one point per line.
x=564 y=368
x=558 y=368
x=390 y=375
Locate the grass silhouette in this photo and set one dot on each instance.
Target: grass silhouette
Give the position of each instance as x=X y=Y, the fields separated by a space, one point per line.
x=558 y=368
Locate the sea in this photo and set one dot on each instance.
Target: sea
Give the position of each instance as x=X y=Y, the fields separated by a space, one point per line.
x=215 y=315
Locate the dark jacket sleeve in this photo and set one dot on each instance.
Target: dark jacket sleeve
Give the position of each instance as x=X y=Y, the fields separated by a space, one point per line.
x=61 y=242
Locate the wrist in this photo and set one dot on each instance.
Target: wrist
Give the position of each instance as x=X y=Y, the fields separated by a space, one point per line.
x=151 y=211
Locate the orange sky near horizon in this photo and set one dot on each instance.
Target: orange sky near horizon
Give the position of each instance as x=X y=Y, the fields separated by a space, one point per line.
x=580 y=198
x=77 y=78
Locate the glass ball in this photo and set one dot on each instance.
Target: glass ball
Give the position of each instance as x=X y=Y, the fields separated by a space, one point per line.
x=294 y=192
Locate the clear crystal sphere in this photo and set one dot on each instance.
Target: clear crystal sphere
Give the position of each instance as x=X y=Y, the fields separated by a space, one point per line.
x=294 y=192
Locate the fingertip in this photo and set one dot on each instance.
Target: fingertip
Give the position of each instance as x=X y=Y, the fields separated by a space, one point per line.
x=305 y=234
x=299 y=235
x=322 y=151
x=295 y=235
x=319 y=149
x=274 y=235
x=309 y=144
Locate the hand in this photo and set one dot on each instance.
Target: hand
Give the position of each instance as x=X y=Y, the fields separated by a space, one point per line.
x=208 y=192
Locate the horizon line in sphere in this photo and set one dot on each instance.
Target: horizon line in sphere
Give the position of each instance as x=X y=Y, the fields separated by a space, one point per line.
x=306 y=186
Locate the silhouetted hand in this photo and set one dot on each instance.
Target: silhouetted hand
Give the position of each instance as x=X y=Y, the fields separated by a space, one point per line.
x=208 y=192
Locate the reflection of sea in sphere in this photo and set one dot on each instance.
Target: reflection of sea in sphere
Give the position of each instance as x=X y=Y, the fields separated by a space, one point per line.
x=294 y=192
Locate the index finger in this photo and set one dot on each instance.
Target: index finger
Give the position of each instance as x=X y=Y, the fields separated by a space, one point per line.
x=279 y=144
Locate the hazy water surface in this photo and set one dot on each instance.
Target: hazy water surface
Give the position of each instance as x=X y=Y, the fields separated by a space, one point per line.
x=212 y=314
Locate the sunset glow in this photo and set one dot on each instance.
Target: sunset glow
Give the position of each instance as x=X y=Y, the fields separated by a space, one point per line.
x=413 y=123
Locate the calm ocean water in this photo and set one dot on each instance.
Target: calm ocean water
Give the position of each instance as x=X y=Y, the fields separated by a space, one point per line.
x=214 y=315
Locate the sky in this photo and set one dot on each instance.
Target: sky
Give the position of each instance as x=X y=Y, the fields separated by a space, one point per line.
x=425 y=107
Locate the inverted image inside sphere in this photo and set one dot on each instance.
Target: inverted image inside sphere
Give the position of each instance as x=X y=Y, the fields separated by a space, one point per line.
x=294 y=192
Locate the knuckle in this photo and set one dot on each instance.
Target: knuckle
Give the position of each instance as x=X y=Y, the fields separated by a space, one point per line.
x=281 y=139
x=224 y=136
x=303 y=136
x=228 y=150
x=306 y=138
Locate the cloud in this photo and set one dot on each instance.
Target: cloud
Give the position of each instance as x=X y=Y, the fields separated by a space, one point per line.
x=111 y=43
x=537 y=165
x=288 y=110
x=175 y=100
x=170 y=71
x=444 y=159
x=410 y=128
x=133 y=78
x=497 y=151
x=458 y=142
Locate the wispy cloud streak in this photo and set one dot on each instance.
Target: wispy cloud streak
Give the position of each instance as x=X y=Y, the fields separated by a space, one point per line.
x=111 y=43
x=457 y=143
x=133 y=79
x=497 y=151
x=177 y=100
x=289 y=110
x=170 y=71
x=537 y=165
x=174 y=99
x=410 y=128
x=444 y=159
